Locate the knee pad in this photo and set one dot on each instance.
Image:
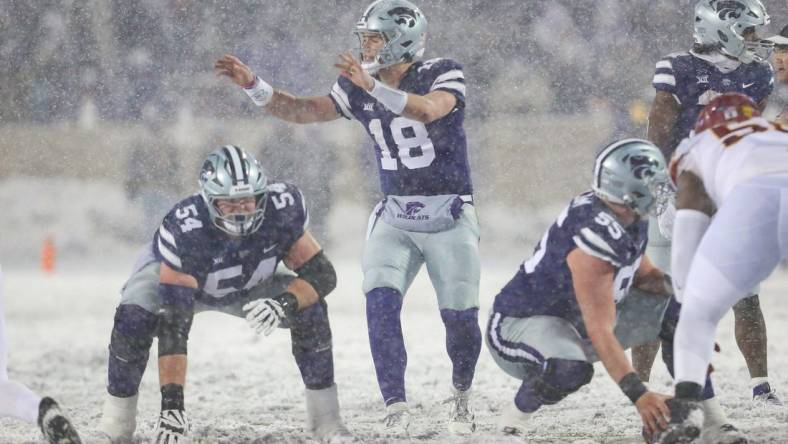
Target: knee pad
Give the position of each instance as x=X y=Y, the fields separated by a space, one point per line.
x=132 y=336
x=310 y=328
x=132 y=333
x=561 y=377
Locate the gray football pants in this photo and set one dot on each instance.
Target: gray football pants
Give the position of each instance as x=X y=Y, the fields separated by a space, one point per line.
x=392 y=258
x=517 y=344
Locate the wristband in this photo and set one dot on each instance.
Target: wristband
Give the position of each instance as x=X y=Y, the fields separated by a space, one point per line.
x=392 y=98
x=632 y=386
x=172 y=397
x=260 y=92
x=289 y=303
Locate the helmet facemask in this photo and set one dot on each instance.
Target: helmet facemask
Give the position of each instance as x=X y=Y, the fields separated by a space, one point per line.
x=237 y=223
x=230 y=173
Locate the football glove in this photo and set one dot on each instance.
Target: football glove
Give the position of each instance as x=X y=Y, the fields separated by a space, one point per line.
x=172 y=428
x=265 y=314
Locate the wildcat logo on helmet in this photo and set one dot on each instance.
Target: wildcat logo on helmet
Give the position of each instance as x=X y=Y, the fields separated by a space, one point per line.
x=642 y=166
x=405 y=16
x=730 y=9
x=207 y=171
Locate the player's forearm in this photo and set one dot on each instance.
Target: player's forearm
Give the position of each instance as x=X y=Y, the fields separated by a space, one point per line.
x=610 y=353
x=304 y=293
x=421 y=109
x=294 y=109
x=172 y=370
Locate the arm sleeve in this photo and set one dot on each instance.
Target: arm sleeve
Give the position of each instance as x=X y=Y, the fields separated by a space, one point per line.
x=175 y=318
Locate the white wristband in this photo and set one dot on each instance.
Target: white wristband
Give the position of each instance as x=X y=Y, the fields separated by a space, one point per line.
x=392 y=98
x=260 y=92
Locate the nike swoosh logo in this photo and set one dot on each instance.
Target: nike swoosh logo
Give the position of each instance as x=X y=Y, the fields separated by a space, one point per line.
x=747 y=85
x=266 y=250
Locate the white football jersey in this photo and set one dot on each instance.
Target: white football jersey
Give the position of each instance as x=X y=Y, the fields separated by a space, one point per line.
x=727 y=155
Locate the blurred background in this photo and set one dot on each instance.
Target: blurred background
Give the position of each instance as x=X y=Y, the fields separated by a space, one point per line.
x=109 y=106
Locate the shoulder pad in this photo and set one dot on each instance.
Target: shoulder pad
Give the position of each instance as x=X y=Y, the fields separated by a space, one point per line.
x=287 y=205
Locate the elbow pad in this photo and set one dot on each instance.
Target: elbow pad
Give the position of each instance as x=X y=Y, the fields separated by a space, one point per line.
x=320 y=274
x=688 y=230
x=175 y=318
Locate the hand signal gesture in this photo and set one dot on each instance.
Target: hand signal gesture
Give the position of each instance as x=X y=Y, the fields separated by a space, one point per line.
x=235 y=70
x=351 y=68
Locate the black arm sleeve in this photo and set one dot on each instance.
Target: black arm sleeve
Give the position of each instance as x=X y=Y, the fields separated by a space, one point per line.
x=320 y=274
x=175 y=318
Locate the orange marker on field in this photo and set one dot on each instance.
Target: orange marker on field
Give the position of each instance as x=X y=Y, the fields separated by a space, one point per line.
x=48 y=254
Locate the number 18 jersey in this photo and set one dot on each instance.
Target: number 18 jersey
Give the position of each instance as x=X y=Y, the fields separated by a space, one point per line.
x=543 y=284
x=414 y=159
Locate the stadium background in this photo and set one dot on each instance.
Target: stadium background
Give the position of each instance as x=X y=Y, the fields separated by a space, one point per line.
x=110 y=105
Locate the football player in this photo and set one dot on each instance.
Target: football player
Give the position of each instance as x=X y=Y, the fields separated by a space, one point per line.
x=778 y=105
x=413 y=110
x=735 y=168
x=218 y=250
x=18 y=401
x=728 y=56
x=588 y=293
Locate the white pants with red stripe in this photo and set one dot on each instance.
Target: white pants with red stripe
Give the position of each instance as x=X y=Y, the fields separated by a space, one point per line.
x=744 y=243
x=16 y=400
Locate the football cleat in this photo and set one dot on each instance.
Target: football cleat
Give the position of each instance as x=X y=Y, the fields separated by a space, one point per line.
x=397 y=421
x=56 y=428
x=461 y=417
x=513 y=421
x=686 y=422
x=119 y=418
x=765 y=395
x=323 y=418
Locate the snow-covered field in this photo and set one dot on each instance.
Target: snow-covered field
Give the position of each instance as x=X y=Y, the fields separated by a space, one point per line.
x=242 y=388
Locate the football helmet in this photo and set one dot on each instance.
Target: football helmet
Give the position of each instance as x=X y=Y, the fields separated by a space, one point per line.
x=231 y=173
x=722 y=23
x=400 y=24
x=728 y=107
x=631 y=172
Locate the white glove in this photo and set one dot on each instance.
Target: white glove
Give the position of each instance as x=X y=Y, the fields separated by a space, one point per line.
x=264 y=315
x=172 y=428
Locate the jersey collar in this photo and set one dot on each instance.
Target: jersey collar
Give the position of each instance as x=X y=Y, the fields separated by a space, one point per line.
x=720 y=61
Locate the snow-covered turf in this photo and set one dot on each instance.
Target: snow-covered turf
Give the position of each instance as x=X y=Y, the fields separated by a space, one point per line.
x=242 y=388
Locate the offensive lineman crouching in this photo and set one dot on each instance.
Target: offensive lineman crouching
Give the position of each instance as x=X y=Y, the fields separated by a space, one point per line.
x=587 y=293
x=217 y=250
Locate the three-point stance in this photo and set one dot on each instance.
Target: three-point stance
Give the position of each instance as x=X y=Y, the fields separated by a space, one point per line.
x=735 y=169
x=218 y=250
x=588 y=293
x=728 y=56
x=414 y=112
